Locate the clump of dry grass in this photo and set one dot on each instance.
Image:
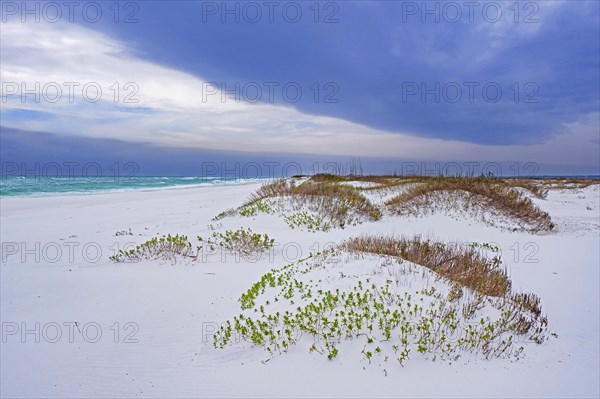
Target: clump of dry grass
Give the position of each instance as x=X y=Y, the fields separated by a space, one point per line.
x=328 y=178
x=526 y=315
x=564 y=183
x=269 y=190
x=528 y=301
x=533 y=186
x=379 y=181
x=465 y=266
x=323 y=194
x=458 y=263
x=387 y=183
x=495 y=194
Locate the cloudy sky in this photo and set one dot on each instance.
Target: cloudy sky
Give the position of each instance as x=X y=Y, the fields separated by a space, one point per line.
x=389 y=81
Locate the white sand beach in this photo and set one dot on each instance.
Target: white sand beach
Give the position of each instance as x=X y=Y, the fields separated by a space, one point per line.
x=143 y=329
x=299 y=199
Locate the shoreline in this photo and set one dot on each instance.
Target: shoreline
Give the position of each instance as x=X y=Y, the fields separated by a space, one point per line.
x=131 y=190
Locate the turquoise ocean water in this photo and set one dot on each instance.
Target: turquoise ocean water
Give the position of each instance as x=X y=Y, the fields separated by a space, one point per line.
x=20 y=186
x=34 y=186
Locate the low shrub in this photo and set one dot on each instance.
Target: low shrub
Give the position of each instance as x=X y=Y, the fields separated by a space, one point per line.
x=165 y=247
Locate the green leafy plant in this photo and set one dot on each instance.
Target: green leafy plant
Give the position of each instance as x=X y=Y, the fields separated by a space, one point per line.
x=243 y=241
x=224 y=214
x=253 y=208
x=166 y=247
x=305 y=220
